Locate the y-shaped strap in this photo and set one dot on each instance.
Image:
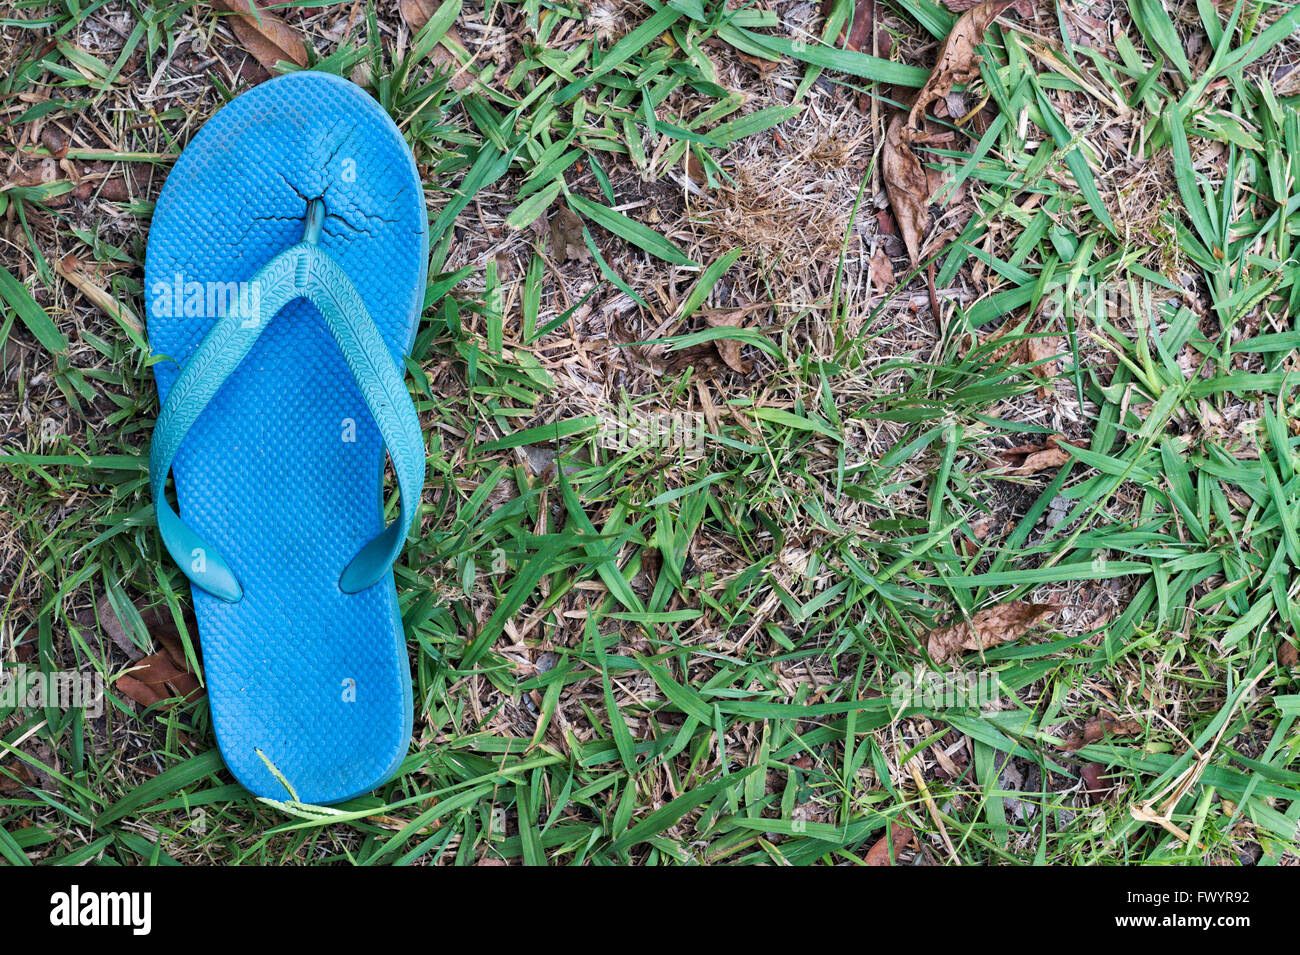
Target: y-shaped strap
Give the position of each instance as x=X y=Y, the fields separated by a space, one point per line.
x=301 y=271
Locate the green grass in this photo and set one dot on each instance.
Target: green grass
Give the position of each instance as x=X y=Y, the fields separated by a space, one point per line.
x=648 y=655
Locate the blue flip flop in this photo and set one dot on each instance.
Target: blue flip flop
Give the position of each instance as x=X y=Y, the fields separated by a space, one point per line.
x=284 y=280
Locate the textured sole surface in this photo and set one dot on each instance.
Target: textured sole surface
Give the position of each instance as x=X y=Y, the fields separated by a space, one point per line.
x=282 y=472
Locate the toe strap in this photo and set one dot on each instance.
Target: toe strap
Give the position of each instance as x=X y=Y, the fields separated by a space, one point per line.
x=302 y=271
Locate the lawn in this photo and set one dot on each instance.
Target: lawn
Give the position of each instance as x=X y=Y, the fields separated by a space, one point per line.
x=829 y=463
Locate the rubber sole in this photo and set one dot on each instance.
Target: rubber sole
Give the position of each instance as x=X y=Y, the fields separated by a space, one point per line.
x=283 y=471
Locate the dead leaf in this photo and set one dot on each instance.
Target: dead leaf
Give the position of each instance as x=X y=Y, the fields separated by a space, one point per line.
x=957 y=62
x=695 y=168
x=443 y=59
x=56 y=141
x=1015 y=352
x=700 y=357
x=1084 y=29
x=935 y=179
x=69 y=267
x=539 y=460
x=1022 y=8
x=987 y=628
x=729 y=348
x=1096 y=784
x=882 y=270
x=162 y=675
x=856 y=35
x=416 y=13
x=648 y=576
x=566 y=235
x=1287 y=655
x=1099 y=727
x=112 y=625
x=1044 y=349
x=24 y=777
x=40 y=173
x=1028 y=459
x=156 y=678
x=879 y=853
x=115 y=189
x=907 y=187
x=86 y=179
x=1042 y=461
x=399 y=823
x=763 y=66
x=266 y=36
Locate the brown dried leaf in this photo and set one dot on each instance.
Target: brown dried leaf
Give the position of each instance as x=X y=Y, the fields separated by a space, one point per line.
x=1084 y=29
x=166 y=635
x=729 y=348
x=957 y=62
x=398 y=823
x=39 y=173
x=1023 y=8
x=859 y=29
x=1028 y=459
x=695 y=168
x=1039 y=349
x=25 y=778
x=1100 y=726
x=112 y=625
x=566 y=235
x=162 y=675
x=115 y=189
x=55 y=140
x=156 y=678
x=416 y=13
x=158 y=669
x=1287 y=655
x=1042 y=461
x=141 y=692
x=935 y=179
x=1013 y=349
x=1096 y=784
x=763 y=66
x=70 y=268
x=882 y=270
x=264 y=35
x=651 y=561
x=907 y=187
x=858 y=35
x=703 y=358
x=987 y=628
x=879 y=853
x=443 y=59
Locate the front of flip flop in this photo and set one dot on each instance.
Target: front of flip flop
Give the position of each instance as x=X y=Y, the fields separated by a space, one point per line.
x=284 y=280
